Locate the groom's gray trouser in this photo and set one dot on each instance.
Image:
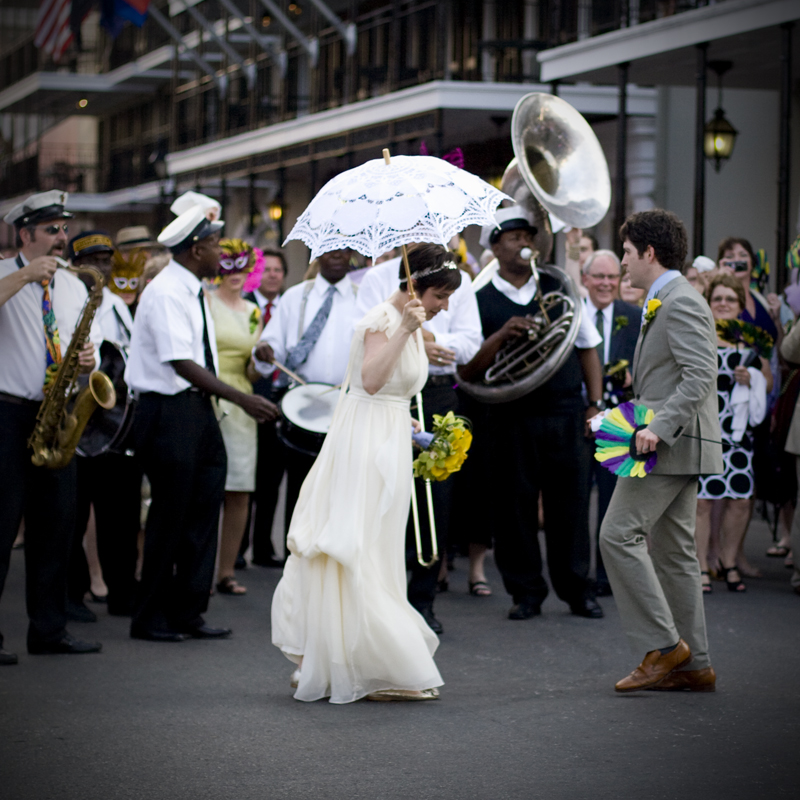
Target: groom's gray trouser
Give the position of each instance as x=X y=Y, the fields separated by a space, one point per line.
x=658 y=594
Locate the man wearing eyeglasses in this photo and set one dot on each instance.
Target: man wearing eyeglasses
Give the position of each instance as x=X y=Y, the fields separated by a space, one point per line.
x=40 y=307
x=618 y=324
x=109 y=481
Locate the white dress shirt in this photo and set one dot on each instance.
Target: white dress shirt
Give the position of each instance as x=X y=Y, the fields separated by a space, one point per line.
x=458 y=328
x=327 y=361
x=23 y=352
x=588 y=335
x=168 y=327
x=608 y=322
x=263 y=301
x=114 y=318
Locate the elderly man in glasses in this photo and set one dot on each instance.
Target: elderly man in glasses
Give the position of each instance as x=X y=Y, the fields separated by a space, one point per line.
x=40 y=307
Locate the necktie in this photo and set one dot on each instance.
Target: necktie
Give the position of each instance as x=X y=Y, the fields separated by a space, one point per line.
x=299 y=353
x=267 y=311
x=52 y=339
x=601 y=348
x=208 y=355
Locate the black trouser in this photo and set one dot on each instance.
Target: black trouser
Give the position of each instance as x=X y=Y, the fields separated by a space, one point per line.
x=182 y=452
x=46 y=499
x=298 y=465
x=263 y=502
x=437 y=399
x=533 y=454
x=606 y=481
x=112 y=483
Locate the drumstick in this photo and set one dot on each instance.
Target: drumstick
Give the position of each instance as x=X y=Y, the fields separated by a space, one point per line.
x=291 y=374
x=332 y=389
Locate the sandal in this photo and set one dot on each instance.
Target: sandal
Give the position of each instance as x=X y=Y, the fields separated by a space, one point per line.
x=705 y=582
x=778 y=551
x=229 y=585
x=735 y=585
x=480 y=589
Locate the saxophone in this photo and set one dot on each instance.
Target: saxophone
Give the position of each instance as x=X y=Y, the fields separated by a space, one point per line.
x=58 y=428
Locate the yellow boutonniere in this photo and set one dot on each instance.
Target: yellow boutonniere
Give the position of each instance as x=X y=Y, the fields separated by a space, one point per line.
x=620 y=322
x=255 y=315
x=652 y=308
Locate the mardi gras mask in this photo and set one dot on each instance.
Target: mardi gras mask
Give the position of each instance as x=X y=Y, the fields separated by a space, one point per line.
x=127 y=271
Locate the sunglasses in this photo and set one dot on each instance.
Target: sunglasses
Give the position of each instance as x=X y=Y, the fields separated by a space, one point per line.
x=52 y=230
x=122 y=284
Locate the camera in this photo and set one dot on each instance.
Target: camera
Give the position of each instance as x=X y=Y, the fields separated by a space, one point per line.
x=739 y=266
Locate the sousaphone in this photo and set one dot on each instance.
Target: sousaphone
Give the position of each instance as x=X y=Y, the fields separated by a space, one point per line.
x=559 y=170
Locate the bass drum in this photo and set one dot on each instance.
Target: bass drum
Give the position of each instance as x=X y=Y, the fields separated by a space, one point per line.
x=306 y=415
x=108 y=429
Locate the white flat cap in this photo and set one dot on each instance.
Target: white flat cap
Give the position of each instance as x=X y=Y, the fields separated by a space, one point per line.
x=39 y=208
x=508 y=219
x=703 y=264
x=189 y=228
x=189 y=199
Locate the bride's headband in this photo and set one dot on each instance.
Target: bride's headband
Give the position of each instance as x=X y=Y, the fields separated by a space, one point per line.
x=423 y=273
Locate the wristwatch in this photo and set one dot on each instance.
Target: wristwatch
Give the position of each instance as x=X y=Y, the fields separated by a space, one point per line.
x=600 y=405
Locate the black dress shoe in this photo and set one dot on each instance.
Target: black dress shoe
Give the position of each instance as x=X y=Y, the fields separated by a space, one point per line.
x=7 y=659
x=68 y=644
x=430 y=618
x=240 y=563
x=275 y=563
x=525 y=609
x=602 y=589
x=588 y=607
x=158 y=636
x=206 y=632
x=80 y=612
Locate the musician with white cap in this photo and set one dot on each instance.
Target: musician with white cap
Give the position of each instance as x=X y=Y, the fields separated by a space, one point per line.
x=537 y=440
x=210 y=207
x=40 y=307
x=173 y=367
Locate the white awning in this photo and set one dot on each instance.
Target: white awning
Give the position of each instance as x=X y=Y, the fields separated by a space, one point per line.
x=462 y=95
x=591 y=58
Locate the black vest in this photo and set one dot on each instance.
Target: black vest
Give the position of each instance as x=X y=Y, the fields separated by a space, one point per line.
x=562 y=393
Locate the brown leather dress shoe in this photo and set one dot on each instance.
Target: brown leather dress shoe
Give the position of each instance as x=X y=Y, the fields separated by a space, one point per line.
x=690 y=680
x=655 y=668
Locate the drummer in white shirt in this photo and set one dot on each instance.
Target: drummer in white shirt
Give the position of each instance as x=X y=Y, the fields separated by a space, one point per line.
x=452 y=337
x=173 y=365
x=44 y=497
x=111 y=482
x=310 y=333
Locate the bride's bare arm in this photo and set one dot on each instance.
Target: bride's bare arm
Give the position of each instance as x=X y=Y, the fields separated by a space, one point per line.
x=382 y=353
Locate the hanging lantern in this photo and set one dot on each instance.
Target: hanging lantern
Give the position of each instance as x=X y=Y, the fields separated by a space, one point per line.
x=719 y=135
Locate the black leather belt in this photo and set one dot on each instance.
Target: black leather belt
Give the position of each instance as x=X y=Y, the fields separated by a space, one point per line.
x=451 y=379
x=18 y=401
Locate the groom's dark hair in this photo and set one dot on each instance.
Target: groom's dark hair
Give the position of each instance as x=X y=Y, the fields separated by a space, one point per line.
x=662 y=231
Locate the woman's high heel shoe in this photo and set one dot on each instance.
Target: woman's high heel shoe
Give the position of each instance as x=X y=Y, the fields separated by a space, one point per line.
x=705 y=583
x=736 y=585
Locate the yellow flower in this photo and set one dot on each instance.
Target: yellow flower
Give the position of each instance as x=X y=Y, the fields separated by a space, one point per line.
x=652 y=307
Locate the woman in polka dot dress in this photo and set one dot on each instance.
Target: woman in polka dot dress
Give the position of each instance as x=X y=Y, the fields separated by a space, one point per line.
x=735 y=486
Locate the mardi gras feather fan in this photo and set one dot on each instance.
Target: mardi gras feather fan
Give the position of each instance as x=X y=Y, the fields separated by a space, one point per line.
x=616 y=441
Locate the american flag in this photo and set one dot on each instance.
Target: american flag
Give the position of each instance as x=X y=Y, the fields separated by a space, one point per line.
x=53 y=32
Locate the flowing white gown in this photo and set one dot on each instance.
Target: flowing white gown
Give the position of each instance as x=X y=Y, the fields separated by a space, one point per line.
x=341 y=603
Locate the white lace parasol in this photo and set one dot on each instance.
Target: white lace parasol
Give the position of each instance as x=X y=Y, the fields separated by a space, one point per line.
x=378 y=206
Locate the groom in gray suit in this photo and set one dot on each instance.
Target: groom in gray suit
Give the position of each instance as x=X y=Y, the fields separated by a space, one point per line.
x=658 y=593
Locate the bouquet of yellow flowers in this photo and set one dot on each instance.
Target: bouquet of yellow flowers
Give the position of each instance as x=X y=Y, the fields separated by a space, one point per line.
x=448 y=450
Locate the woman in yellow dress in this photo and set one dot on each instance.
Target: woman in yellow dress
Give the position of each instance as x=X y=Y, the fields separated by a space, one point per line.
x=238 y=325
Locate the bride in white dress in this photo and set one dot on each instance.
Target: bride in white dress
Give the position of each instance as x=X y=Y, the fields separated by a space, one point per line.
x=340 y=610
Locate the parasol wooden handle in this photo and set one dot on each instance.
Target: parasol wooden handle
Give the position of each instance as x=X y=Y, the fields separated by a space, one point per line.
x=411 y=293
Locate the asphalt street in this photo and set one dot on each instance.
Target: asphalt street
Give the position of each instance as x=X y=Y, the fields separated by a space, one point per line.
x=528 y=710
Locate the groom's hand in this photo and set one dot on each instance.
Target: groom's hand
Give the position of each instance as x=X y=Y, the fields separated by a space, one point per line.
x=646 y=441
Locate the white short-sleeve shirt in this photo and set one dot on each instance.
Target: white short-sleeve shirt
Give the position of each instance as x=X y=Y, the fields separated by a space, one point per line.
x=327 y=361
x=114 y=318
x=23 y=353
x=458 y=328
x=168 y=327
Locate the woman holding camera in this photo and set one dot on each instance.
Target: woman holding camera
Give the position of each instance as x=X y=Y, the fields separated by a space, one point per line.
x=742 y=385
x=736 y=257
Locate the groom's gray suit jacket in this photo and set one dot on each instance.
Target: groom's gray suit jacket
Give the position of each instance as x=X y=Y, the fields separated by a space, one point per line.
x=675 y=373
